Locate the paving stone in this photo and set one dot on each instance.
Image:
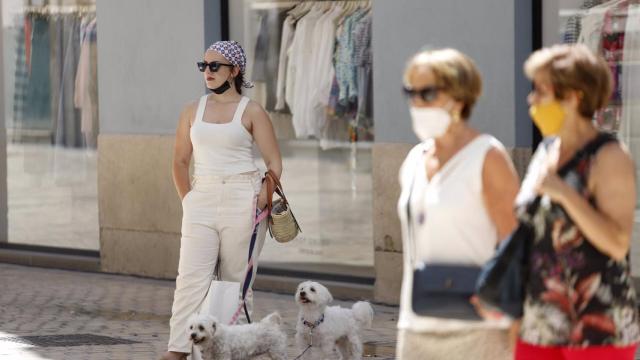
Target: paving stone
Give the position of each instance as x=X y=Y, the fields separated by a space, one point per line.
x=46 y=302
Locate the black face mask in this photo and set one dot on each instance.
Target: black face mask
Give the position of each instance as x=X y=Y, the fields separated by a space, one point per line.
x=222 y=88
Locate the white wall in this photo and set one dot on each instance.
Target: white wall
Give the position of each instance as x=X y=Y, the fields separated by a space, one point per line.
x=147 y=50
x=485 y=30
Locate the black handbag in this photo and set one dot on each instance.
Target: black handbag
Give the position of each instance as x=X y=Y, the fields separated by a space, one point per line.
x=444 y=290
x=501 y=281
x=501 y=284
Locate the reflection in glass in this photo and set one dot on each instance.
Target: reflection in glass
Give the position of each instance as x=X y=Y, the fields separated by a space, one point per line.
x=51 y=119
x=311 y=63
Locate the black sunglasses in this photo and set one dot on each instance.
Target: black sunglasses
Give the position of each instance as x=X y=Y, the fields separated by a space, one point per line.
x=213 y=66
x=427 y=94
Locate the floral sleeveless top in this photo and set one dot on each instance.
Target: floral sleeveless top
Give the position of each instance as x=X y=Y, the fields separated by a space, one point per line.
x=576 y=296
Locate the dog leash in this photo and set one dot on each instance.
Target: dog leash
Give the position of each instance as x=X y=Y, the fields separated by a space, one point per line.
x=305 y=350
x=311 y=326
x=260 y=215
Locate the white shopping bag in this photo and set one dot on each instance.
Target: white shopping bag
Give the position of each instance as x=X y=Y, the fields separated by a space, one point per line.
x=222 y=301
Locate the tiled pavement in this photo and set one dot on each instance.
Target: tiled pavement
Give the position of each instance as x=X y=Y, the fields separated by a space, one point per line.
x=37 y=302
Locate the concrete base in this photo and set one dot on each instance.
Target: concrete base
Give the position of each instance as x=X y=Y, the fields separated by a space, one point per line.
x=149 y=254
x=139 y=211
x=388 y=277
x=135 y=185
x=288 y=285
x=387 y=159
x=387 y=237
x=48 y=260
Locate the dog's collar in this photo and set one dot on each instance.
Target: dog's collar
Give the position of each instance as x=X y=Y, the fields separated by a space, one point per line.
x=315 y=324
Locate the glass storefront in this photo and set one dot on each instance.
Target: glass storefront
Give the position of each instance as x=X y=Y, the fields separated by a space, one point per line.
x=51 y=120
x=311 y=63
x=612 y=29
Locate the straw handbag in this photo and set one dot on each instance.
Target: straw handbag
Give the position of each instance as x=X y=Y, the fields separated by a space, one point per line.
x=283 y=226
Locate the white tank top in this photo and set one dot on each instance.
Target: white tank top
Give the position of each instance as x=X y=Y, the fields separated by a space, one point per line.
x=449 y=223
x=221 y=149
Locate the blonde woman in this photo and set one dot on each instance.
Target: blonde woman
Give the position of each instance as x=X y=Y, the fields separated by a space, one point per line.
x=580 y=299
x=458 y=191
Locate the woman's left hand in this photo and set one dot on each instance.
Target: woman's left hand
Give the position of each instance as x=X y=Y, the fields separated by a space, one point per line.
x=553 y=186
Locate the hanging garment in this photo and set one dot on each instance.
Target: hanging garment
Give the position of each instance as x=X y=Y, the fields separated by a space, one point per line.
x=345 y=64
x=267 y=52
x=67 y=117
x=629 y=129
x=573 y=27
x=591 y=31
x=285 y=44
x=342 y=59
x=21 y=79
x=93 y=86
x=364 y=59
x=613 y=47
x=84 y=82
x=37 y=113
x=320 y=79
x=28 y=36
x=299 y=68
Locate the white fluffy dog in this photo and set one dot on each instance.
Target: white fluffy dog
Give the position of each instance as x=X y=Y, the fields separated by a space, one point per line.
x=321 y=329
x=237 y=342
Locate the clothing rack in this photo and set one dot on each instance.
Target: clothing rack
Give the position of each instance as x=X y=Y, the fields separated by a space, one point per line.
x=273 y=5
x=49 y=10
x=265 y=5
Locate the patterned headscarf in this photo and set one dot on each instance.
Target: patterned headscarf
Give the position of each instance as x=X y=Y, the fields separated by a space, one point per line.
x=233 y=52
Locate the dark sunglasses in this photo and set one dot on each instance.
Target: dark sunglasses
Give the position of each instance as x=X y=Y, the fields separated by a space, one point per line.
x=427 y=94
x=213 y=66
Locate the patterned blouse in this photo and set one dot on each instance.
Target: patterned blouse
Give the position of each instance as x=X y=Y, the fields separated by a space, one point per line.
x=576 y=296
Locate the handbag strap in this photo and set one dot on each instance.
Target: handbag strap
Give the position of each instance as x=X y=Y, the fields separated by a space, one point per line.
x=411 y=241
x=273 y=185
x=590 y=149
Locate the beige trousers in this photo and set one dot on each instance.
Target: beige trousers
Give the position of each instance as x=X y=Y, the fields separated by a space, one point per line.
x=454 y=345
x=217 y=224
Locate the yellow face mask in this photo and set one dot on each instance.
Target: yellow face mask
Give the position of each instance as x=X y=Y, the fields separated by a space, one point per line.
x=548 y=117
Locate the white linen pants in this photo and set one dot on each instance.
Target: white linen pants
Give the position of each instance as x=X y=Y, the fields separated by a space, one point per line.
x=217 y=224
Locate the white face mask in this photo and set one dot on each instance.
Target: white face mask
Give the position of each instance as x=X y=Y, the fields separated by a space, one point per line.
x=429 y=122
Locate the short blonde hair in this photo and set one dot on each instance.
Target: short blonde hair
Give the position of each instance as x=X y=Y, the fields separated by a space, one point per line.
x=455 y=73
x=574 y=67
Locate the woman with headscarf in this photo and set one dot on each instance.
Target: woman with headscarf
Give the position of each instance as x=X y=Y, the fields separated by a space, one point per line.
x=220 y=204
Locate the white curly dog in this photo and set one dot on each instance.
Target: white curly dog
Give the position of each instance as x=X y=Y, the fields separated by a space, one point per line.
x=321 y=329
x=215 y=340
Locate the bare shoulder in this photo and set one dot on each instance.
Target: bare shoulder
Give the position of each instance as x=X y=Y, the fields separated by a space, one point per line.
x=497 y=157
x=254 y=109
x=498 y=167
x=613 y=157
x=254 y=114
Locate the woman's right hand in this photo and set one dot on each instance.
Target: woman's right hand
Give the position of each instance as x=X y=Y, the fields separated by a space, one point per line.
x=484 y=311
